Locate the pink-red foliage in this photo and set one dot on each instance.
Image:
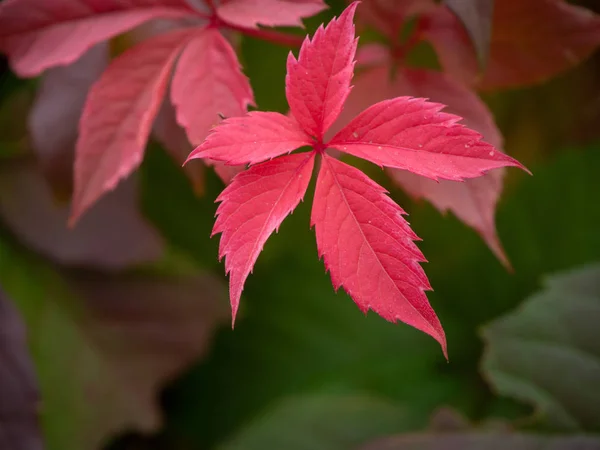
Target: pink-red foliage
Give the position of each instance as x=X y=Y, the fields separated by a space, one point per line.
x=123 y=104
x=366 y=244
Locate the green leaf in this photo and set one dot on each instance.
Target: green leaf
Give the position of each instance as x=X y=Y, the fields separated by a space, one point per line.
x=104 y=345
x=547 y=352
x=319 y=422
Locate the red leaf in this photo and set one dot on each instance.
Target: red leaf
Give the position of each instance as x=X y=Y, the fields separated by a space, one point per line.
x=207 y=83
x=251 y=139
x=250 y=13
x=531 y=41
x=318 y=83
x=412 y=134
x=366 y=243
x=38 y=34
x=253 y=206
x=118 y=117
x=368 y=248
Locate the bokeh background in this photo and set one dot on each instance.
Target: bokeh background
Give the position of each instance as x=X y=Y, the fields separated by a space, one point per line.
x=104 y=345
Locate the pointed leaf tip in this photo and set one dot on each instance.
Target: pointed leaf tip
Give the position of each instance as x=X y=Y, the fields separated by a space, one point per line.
x=318 y=82
x=368 y=248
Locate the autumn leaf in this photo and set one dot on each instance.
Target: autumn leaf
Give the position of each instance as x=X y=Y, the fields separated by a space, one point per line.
x=19 y=408
x=366 y=244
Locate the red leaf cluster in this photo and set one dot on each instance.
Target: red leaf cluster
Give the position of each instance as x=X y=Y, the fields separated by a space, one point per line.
x=192 y=63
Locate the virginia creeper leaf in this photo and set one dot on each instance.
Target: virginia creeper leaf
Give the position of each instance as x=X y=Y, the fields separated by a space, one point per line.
x=368 y=248
x=252 y=139
x=38 y=34
x=318 y=83
x=252 y=207
x=251 y=13
x=476 y=18
x=547 y=352
x=19 y=421
x=412 y=134
x=531 y=42
x=118 y=117
x=474 y=200
x=207 y=83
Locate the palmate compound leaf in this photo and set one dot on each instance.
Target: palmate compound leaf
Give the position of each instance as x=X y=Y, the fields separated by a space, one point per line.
x=368 y=248
x=38 y=34
x=253 y=206
x=403 y=133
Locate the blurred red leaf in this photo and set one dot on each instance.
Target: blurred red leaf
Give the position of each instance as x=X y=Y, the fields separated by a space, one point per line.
x=38 y=34
x=118 y=116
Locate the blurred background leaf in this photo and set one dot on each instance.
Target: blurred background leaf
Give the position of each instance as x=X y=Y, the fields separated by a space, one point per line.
x=548 y=351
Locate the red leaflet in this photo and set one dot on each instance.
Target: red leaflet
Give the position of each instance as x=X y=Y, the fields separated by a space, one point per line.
x=253 y=206
x=316 y=97
x=208 y=64
x=367 y=246
x=250 y=13
x=118 y=117
x=252 y=139
x=41 y=34
x=531 y=41
x=412 y=134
